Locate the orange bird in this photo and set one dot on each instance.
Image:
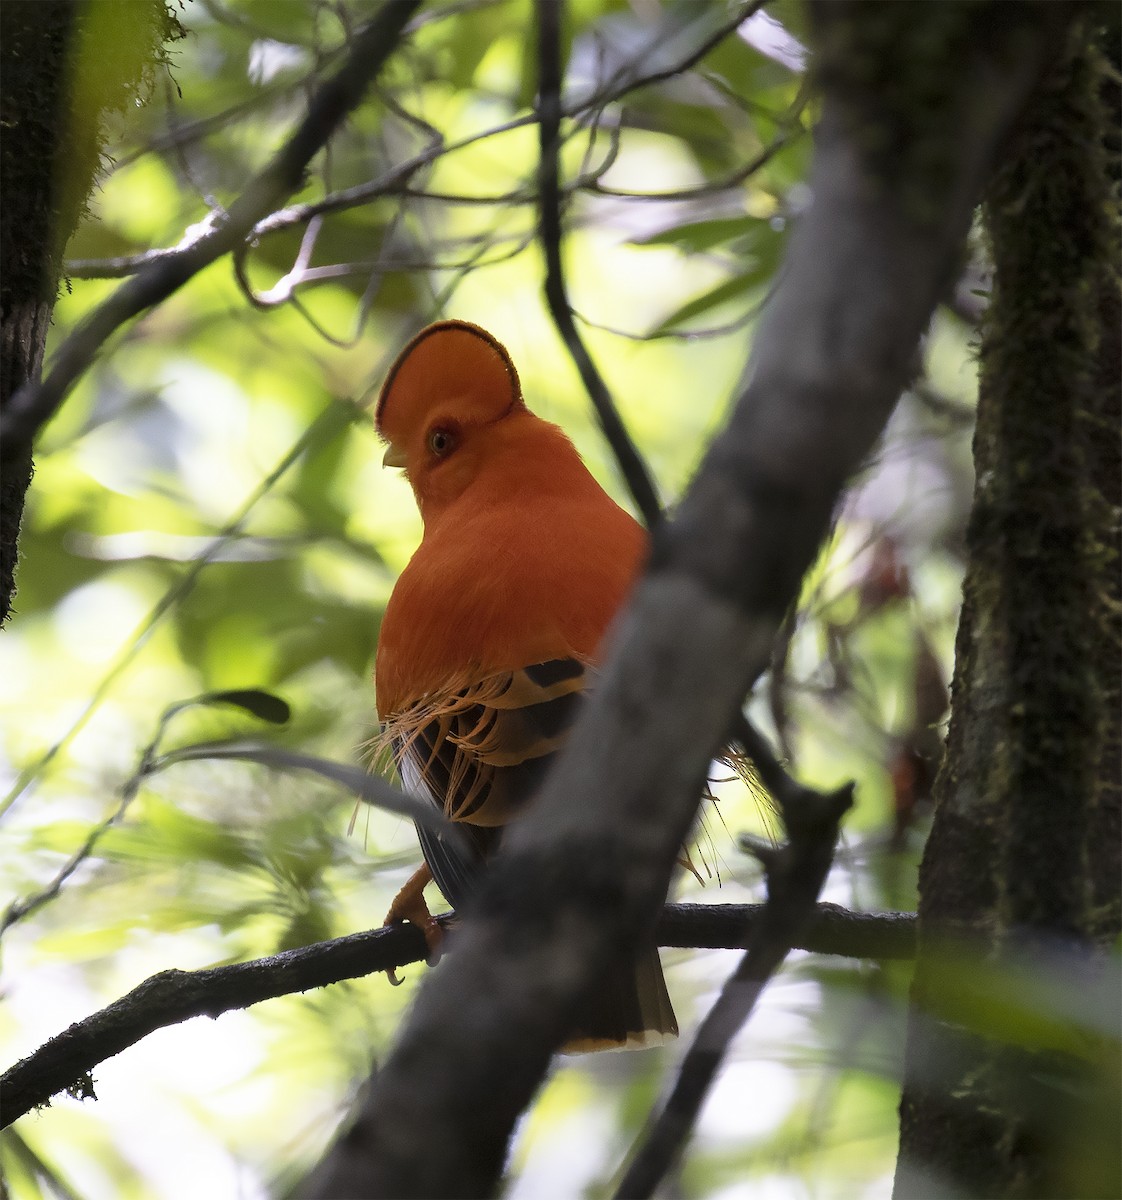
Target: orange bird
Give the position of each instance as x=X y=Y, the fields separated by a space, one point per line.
x=494 y=628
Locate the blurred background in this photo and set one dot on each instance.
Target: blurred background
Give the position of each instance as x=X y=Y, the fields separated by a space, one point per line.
x=209 y=511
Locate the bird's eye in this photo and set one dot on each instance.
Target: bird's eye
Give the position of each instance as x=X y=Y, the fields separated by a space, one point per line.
x=442 y=442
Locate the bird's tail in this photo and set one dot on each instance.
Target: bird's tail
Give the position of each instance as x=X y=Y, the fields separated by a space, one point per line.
x=629 y=1008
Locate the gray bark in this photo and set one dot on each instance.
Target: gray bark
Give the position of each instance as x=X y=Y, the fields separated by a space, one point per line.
x=901 y=158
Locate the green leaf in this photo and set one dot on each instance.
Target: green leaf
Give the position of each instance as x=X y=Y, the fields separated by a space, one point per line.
x=723 y=293
x=261 y=704
x=758 y=269
x=695 y=237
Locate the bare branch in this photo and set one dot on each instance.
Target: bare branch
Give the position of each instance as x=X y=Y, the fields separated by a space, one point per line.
x=387 y=184
x=674 y=335
x=282 y=291
x=833 y=930
x=175 y=996
x=34 y=404
x=396 y=181
x=120 y=267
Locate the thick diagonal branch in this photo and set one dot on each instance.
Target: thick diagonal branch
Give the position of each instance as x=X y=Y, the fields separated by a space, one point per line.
x=894 y=185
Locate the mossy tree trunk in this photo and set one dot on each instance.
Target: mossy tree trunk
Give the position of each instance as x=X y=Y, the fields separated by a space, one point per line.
x=64 y=64
x=33 y=42
x=1023 y=862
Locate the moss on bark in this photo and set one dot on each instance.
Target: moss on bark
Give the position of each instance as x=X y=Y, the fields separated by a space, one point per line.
x=64 y=66
x=1024 y=852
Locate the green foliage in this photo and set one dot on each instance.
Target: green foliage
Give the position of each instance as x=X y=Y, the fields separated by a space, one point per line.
x=695 y=237
x=263 y=705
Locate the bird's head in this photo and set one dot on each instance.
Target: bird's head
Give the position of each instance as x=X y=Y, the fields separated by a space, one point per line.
x=450 y=385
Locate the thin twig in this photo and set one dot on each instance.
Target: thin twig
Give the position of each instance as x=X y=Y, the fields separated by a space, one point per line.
x=733 y=179
x=395 y=180
x=795 y=876
x=631 y=463
x=371 y=788
x=262 y=705
x=333 y=418
x=174 y=996
x=614 y=89
x=18 y=909
x=676 y=335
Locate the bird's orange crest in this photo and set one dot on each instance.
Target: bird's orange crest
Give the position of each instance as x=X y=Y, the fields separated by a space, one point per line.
x=451 y=368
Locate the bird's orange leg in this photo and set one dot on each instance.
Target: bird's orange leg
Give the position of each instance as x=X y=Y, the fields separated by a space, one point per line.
x=409 y=905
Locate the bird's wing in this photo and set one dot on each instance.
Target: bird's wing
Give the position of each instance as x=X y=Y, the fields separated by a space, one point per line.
x=479 y=752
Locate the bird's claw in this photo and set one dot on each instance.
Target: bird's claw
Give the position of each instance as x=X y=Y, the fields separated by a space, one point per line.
x=409 y=905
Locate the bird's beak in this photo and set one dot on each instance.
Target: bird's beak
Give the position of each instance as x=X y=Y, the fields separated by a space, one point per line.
x=394 y=458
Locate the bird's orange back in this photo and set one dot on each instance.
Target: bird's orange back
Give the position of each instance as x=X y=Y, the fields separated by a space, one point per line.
x=525 y=558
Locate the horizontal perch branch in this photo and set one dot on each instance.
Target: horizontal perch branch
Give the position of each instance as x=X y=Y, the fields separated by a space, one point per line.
x=64 y=1063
